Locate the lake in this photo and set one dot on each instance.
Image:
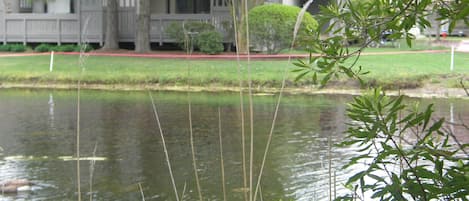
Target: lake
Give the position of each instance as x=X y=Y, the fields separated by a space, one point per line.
x=38 y=138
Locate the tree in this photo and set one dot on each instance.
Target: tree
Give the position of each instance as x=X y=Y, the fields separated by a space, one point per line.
x=142 y=40
x=112 y=26
x=408 y=157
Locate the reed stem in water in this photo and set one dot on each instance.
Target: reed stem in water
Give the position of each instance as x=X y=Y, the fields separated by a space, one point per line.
x=164 y=146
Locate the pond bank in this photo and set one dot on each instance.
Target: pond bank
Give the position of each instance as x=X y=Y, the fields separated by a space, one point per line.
x=428 y=91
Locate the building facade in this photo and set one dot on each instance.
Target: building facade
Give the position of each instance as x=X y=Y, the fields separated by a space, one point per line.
x=74 y=21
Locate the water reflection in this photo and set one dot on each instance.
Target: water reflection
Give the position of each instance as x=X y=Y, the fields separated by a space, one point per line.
x=120 y=127
x=51 y=110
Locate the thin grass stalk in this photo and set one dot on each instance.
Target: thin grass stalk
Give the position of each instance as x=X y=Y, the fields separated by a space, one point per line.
x=260 y=193
x=164 y=146
x=335 y=185
x=92 y=164
x=191 y=133
x=78 y=140
x=81 y=63
x=241 y=99
x=141 y=191
x=285 y=75
x=222 y=165
x=329 y=156
x=183 y=194
x=194 y=162
x=251 y=109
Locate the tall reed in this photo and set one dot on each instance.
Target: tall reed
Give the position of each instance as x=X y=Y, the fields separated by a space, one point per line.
x=81 y=65
x=189 y=40
x=141 y=191
x=222 y=165
x=329 y=157
x=241 y=98
x=277 y=105
x=157 y=118
x=78 y=141
x=251 y=109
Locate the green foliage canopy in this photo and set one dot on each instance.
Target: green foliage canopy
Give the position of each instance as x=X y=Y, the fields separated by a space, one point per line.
x=186 y=34
x=271 y=26
x=366 y=21
x=409 y=157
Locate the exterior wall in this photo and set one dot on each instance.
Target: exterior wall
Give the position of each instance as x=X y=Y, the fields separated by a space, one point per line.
x=291 y=2
x=38 y=6
x=87 y=24
x=58 y=6
x=159 y=7
x=12 y=6
x=91 y=23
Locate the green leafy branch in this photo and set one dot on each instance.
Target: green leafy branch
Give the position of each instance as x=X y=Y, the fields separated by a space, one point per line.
x=431 y=166
x=365 y=22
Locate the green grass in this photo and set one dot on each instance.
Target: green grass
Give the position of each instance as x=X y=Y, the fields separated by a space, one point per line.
x=400 y=45
x=404 y=70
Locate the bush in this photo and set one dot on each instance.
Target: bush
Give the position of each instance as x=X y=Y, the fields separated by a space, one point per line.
x=18 y=48
x=5 y=48
x=272 y=25
x=43 y=48
x=64 y=48
x=210 y=42
x=86 y=48
x=176 y=31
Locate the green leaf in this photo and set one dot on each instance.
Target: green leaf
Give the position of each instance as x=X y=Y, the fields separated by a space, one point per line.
x=356 y=177
x=298 y=77
x=326 y=79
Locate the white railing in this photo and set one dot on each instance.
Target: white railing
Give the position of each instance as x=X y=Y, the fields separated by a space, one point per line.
x=64 y=28
x=26 y=28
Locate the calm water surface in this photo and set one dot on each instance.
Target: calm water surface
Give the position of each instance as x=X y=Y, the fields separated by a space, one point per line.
x=37 y=134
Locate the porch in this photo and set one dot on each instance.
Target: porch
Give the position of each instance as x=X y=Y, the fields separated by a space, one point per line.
x=84 y=21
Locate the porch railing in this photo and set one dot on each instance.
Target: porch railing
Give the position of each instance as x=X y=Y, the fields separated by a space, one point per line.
x=40 y=28
x=65 y=28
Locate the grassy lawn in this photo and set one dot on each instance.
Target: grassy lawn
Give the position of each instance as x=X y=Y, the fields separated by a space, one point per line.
x=401 y=70
x=400 y=45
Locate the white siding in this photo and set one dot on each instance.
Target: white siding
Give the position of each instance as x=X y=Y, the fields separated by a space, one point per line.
x=291 y=2
x=58 y=6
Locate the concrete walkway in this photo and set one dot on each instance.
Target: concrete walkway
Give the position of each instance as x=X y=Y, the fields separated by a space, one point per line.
x=224 y=56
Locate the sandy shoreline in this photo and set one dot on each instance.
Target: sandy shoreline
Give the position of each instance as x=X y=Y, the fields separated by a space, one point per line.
x=428 y=91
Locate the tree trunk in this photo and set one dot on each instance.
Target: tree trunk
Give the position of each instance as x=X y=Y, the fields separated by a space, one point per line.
x=142 y=39
x=112 y=26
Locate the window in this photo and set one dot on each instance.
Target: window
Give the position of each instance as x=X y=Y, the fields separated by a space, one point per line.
x=26 y=6
x=192 y=6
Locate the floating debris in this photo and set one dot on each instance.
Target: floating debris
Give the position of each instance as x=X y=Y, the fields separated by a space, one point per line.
x=240 y=190
x=263 y=94
x=15 y=185
x=64 y=158
x=70 y=158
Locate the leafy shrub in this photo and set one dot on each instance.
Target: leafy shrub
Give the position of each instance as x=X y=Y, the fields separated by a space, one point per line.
x=43 y=48
x=181 y=32
x=64 y=48
x=271 y=26
x=85 y=47
x=210 y=42
x=18 y=48
x=5 y=48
